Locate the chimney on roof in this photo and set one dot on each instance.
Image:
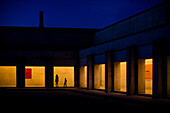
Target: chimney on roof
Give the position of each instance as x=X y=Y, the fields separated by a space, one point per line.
x=41 y=24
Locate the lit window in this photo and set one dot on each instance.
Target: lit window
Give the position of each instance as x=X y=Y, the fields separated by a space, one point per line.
x=120 y=69
x=7 y=76
x=63 y=77
x=99 y=76
x=145 y=76
x=34 y=76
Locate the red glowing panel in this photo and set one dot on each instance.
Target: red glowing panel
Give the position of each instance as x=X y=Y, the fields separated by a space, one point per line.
x=28 y=73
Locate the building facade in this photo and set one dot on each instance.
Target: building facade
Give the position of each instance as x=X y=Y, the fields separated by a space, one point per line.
x=135 y=52
x=131 y=56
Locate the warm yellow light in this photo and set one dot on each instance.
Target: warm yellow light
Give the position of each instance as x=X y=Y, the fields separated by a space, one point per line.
x=83 y=76
x=148 y=61
x=148 y=76
x=123 y=76
x=64 y=73
x=120 y=78
x=38 y=77
x=145 y=68
x=99 y=76
x=7 y=76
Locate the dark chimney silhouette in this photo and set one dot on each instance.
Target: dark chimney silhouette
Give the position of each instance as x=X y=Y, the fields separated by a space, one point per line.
x=41 y=24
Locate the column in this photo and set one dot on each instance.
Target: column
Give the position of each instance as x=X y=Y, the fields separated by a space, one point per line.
x=76 y=76
x=82 y=77
x=117 y=76
x=159 y=69
x=131 y=70
x=20 y=72
x=141 y=76
x=168 y=76
x=49 y=73
x=108 y=71
x=77 y=71
x=96 y=76
x=90 y=72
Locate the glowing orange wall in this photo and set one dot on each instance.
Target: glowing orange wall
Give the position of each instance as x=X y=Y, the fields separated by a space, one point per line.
x=38 y=77
x=148 y=76
x=64 y=72
x=7 y=76
x=145 y=67
x=148 y=69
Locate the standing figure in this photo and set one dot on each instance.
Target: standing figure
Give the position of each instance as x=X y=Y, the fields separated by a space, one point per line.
x=56 y=80
x=65 y=82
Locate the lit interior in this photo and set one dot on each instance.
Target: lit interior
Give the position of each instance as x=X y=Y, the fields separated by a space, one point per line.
x=120 y=77
x=7 y=76
x=65 y=74
x=99 y=76
x=168 y=76
x=34 y=76
x=145 y=76
x=83 y=76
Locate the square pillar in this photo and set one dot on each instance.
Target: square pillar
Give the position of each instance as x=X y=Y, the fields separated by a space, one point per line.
x=131 y=70
x=168 y=76
x=108 y=71
x=76 y=76
x=141 y=76
x=83 y=77
x=49 y=73
x=96 y=76
x=21 y=72
x=117 y=76
x=160 y=69
x=77 y=71
x=90 y=72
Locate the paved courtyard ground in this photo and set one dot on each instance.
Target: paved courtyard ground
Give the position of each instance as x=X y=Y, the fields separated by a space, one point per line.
x=66 y=100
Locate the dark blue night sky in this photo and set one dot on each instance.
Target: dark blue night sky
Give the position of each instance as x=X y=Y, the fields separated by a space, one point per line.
x=70 y=13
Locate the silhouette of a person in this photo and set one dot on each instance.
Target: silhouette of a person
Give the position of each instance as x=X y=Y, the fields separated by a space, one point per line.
x=65 y=82
x=56 y=80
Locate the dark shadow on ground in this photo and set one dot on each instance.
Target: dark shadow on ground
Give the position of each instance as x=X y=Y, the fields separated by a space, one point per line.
x=69 y=101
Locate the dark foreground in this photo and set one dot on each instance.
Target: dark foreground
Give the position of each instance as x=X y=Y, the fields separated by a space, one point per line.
x=70 y=101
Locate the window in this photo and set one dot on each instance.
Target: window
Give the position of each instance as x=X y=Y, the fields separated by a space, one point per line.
x=7 y=76
x=99 y=76
x=63 y=76
x=35 y=76
x=145 y=67
x=120 y=76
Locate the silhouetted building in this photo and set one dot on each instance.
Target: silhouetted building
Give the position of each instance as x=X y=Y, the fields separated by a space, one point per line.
x=131 y=56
